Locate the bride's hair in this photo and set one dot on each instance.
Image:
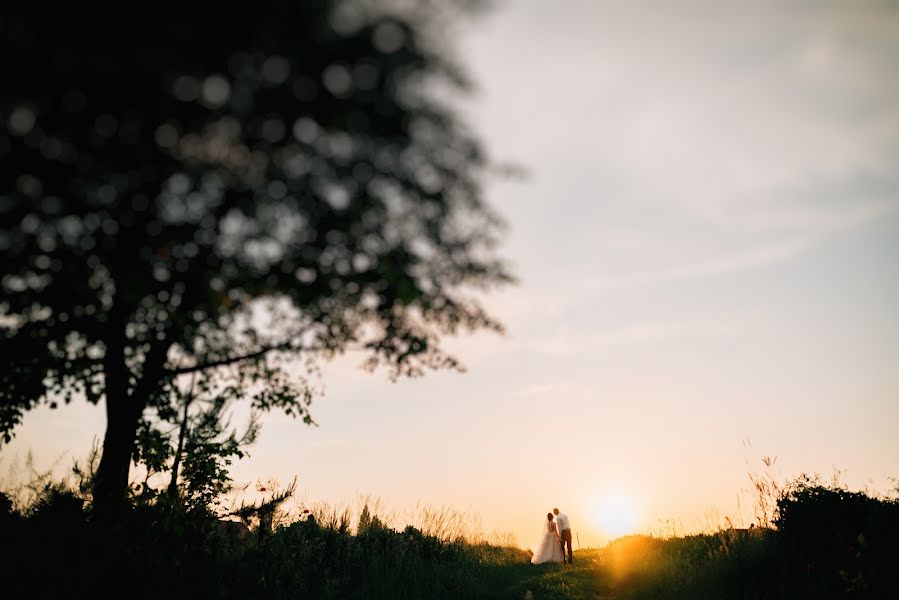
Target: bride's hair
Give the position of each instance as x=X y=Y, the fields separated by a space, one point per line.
x=549 y=516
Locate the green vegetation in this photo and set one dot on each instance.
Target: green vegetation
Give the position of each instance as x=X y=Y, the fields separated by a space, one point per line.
x=156 y=551
x=826 y=542
x=586 y=578
x=728 y=564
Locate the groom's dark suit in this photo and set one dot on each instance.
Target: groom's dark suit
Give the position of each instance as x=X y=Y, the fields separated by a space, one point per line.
x=564 y=534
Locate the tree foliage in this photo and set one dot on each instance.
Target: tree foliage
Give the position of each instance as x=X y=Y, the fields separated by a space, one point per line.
x=201 y=187
x=186 y=447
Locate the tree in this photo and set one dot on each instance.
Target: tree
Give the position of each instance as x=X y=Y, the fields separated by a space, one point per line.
x=191 y=439
x=364 y=520
x=200 y=187
x=368 y=521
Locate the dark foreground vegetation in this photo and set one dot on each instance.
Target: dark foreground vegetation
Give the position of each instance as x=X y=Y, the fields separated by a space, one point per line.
x=56 y=550
x=826 y=542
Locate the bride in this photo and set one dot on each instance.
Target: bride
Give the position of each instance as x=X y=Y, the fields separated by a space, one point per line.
x=549 y=549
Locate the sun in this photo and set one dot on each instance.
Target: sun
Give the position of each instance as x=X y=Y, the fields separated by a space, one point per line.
x=616 y=515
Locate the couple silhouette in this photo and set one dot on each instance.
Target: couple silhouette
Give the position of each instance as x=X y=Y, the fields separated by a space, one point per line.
x=556 y=537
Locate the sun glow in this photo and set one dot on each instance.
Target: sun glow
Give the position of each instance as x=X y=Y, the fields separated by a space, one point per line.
x=616 y=515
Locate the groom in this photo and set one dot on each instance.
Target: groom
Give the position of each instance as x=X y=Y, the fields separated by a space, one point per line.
x=564 y=526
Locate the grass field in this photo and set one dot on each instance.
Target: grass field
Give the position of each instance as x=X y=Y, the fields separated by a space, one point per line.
x=587 y=577
x=728 y=564
x=725 y=565
x=828 y=543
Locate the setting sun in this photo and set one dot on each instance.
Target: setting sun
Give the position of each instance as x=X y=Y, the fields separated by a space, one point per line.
x=616 y=515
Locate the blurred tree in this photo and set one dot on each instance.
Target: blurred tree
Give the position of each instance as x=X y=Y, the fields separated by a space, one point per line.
x=201 y=187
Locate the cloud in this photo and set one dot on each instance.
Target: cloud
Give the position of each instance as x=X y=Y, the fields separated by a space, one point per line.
x=820 y=227
x=679 y=142
x=759 y=117
x=570 y=343
x=723 y=265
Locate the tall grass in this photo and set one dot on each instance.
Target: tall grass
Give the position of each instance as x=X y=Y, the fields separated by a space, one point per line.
x=818 y=541
x=737 y=563
x=318 y=551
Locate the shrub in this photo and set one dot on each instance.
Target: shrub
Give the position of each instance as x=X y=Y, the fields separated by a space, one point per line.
x=839 y=541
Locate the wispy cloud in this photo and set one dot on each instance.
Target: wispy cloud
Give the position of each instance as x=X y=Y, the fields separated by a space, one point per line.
x=723 y=265
x=819 y=227
x=571 y=343
x=760 y=129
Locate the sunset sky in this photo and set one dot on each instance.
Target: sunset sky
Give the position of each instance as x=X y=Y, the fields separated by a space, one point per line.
x=707 y=249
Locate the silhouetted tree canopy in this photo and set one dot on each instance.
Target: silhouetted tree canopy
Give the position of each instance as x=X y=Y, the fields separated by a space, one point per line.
x=201 y=187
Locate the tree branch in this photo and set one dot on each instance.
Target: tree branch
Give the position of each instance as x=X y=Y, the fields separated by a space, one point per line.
x=235 y=359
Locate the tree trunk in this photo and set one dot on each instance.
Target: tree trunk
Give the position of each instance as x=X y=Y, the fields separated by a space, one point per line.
x=111 y=485
x=124 y=409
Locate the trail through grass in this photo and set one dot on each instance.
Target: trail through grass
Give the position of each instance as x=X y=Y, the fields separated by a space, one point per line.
x=586 y=578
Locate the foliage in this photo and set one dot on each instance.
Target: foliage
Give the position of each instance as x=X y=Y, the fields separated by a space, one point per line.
x=7 y=508
x=228 y=193
x=730 y=563
x=169 y=549
x=369 y=522
x=829 y=542
x=84 y=472
x=836 y=539
x=207 y=457
x=266 y=514
x=183 y=554
x=768 y=490
x=190 y=439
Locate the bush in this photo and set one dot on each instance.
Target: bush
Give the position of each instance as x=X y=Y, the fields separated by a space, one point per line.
x=839 y=541
x=828 y=543
x=7 y=510
x=56 y=504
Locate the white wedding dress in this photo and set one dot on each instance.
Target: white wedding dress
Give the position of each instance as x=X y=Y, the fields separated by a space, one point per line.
x=548 y=550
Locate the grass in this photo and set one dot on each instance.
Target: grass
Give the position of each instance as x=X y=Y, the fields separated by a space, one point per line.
x=585 y=578
x=311 y=560
x=828 y=543
x=725 y=565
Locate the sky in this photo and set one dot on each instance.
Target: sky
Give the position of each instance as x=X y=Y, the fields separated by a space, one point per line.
x=706 y=245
